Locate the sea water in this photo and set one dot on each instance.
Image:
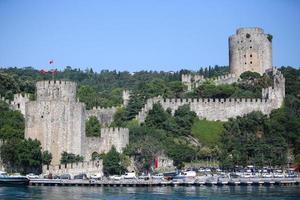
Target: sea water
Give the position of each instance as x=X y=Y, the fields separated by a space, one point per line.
x=151 y=193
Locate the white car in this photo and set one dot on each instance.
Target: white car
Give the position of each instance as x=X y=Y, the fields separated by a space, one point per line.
x=266 y=175
x=96 y=176
x=129 y=175
x=115 y=177
x=158 y=176
x=32 y=176
x=278 y=175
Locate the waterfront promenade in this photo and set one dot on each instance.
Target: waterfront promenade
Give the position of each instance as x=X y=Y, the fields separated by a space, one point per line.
x=201 y=181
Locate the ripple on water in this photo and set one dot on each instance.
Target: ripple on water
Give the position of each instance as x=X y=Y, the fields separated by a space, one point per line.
x=151 y=193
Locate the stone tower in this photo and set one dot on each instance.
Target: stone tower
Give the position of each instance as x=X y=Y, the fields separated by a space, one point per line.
x=56 y=119
x=125 y=97
x=250 y=49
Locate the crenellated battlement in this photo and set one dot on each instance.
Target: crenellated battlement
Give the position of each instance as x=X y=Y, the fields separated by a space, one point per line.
x=104 y=115
x=19 y=102
x=117 y=137
x=114 y=130
x=223 y=109
x=49 y=83
x=89 y=168
x=56 y=90
x=104 y=108
x=5 y=100
x=194 y=81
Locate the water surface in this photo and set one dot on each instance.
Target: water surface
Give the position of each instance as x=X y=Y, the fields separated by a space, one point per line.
x=151 y=193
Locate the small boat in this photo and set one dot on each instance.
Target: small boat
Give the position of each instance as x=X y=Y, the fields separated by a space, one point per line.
x=6 y=179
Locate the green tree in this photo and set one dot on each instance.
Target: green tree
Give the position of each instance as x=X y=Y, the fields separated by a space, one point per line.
x=70 y=158
x=87 y=95
x=46 y=158
x=12 y=123
x=156 y=117
x=23 y=156
x=112 y=163
x=184 y=118
x=92 y=127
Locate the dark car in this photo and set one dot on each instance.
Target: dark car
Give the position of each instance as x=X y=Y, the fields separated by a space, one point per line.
x=65 y=176
x=80 y=176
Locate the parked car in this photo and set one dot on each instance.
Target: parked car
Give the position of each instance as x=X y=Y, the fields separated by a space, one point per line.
x=32 y=176
x=96 y=176
x=81 y=176
x=115 y=177
x=158 y=176
x=129 y=175
x=65 y=176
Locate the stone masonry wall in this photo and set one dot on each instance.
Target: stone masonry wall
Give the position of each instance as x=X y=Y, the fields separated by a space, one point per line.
x=118 y=137
x=223 y=109
x=56 y=119
x=250 y=50
x=104 y=115
x=89 y=168
x=194 y=81
x=19 y=102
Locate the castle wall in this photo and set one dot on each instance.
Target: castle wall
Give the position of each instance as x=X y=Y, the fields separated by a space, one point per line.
x=104 y=115
x=125 y=97
x=19 y=102
x=223 y=109
x=194 y=81
x=249 y=50
x=117 y=137
x=73 y=169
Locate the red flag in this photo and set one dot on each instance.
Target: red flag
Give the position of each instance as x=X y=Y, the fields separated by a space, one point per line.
x=155 y=163
x=51 y=62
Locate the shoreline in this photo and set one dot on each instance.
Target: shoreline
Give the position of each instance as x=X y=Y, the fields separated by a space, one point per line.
x=163 y=183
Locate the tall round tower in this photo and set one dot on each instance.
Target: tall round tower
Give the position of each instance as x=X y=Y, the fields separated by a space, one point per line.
x=250 y=49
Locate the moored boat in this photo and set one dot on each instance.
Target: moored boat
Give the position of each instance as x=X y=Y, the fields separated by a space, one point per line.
x=6 y=179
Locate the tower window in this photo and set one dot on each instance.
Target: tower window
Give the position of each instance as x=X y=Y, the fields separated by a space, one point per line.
x=250 y=47
x=250 y=55
x=248 y=35
x=250 y=62
x=244 y=56
x=250 y=40
x=245 y=63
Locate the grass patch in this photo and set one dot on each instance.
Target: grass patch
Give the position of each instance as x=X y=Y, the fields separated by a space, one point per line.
x=207 y=132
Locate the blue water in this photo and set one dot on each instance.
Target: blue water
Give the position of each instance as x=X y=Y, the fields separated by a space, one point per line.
x=151 y=193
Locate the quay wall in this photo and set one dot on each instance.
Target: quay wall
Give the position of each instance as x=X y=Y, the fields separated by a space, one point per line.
x=89 y=168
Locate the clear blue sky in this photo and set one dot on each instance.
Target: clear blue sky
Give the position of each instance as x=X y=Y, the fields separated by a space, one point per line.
x=138 y=35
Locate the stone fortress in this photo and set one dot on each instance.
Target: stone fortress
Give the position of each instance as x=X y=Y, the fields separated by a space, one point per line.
x=250 y=49
x=58 y=121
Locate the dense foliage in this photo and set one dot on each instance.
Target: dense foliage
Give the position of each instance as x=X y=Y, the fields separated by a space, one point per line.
x=163 y=134
x=249 y=86
x=266 y=141
x=24 y=156
x=19 y=154
x=70 y=158
x=112 y=163
x=92 y=127
x=252 y=139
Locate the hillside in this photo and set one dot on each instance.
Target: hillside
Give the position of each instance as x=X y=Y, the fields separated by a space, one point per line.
x=237 y=142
